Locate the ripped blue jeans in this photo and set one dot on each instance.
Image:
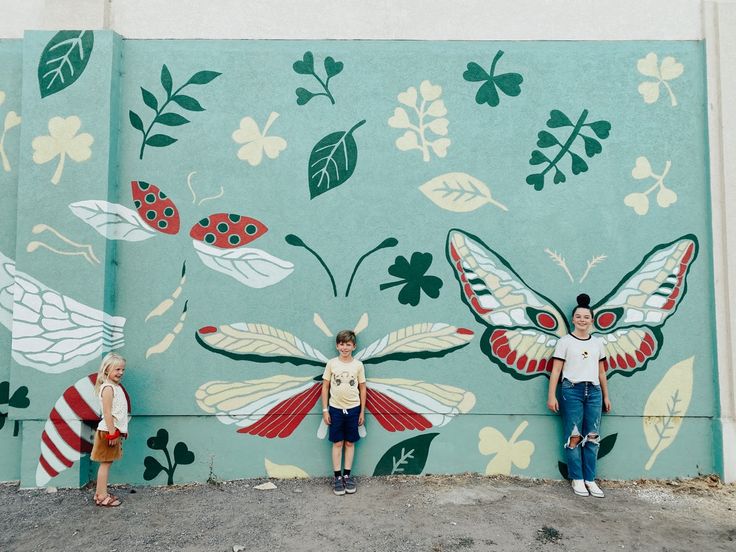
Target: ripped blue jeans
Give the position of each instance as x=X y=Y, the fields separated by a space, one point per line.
x=581 y=406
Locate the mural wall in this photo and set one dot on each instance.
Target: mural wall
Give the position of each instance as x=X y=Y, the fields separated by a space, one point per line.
x=217 y=210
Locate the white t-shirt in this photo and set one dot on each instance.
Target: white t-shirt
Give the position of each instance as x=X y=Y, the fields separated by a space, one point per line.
x=344 y=378
x=119 y=409
x=581 y=357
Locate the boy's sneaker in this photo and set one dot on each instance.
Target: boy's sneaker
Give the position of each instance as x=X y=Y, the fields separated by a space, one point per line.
x=339 y=487
x=350 y=486
x=594 y=489
x=579 y=488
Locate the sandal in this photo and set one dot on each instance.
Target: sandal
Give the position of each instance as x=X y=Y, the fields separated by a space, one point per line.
x=114 y=497
x=108 y=502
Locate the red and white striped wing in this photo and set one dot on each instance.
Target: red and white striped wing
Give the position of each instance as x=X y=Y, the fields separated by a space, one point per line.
x=70 y=428
x=270 y=407
x=401 y=404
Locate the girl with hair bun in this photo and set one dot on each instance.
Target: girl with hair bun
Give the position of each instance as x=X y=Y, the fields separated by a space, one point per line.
x=580 y=359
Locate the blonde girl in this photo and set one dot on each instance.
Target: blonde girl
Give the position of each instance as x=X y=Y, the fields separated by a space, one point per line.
x=108 y=445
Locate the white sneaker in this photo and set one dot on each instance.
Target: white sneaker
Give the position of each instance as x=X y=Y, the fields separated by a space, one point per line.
x=578 y=487
x=594 y=489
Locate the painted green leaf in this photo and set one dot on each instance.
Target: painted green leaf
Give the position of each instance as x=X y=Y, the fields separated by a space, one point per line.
x=187 y=102
x=487 y=94
x=592 y=146
x=537 y=158
x=160 y=140
x=159 y=441
x=558 y=119
x=407 y=457
x=601 y=128
x=166 y=80
x=20 y=398
x=303 y=96
x=578 y=164
x=4 y=392
x=332 y=67
x=153 y=468
x=413 y=278
x=508 y=83
x=135 y=120
x=475 y=73
x=203 y=77
x=171 y=119
x=332 y=161
x=182 y=454
x=149 y=99
x=63 y=60
x=306 y=65
x=545 y=139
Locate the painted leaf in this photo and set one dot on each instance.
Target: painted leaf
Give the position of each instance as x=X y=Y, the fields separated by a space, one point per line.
x=112 y=220
x=506 y=453
x=422 y=340
x=284 y=471
x=159 y=441
x=258 y=342
x=666 y=406
x=407 y=457
x=63 y=60
x=458 y=192
x=182 y=455
x=153 y=468
x=332 y=161
x=249 y=266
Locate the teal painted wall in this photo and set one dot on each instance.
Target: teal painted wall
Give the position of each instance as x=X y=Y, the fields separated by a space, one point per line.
x=478 y=132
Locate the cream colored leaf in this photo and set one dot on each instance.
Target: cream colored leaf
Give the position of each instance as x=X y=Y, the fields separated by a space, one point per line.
x=642 y=169
x=408 y=97
x=429 y=91
x=284 y=471
x=650 y=91
x=248 y=131
x=273 y=145
x=648 y=65
x=437 y=109
x=666 y=197
x=12 y=120
x=2 y=97
x=407 y=141
x=670 y=68
x=439 y=126
x=252 y=152
x=666 y=406
x=458 y=192
x=507 y=453
x=637 y=201
x=418 y=338
x=491 y=441
x=399 y=119
x=440 y=146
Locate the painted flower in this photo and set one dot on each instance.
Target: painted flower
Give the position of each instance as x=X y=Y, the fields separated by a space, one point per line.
x=507 y=453
x=412 y=276
x=61 y=141
x=256 y=142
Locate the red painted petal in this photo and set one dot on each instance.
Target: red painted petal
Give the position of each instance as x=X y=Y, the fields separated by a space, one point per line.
x=155 y=208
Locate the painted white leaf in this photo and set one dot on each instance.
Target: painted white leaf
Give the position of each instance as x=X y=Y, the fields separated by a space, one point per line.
x=458 y=192
x=666 y=406
x=507 y=453
x=650 y=91
x=670 y=68
x=648 y=65
x=249 y=266
x=284 y=471
x=112 y=220
x=420 y=338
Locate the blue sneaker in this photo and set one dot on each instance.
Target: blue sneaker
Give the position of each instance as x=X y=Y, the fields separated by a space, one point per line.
x=350 y=486
x=339 y=487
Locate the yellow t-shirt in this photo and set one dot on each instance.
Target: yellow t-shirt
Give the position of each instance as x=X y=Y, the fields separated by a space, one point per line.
x=344 y=378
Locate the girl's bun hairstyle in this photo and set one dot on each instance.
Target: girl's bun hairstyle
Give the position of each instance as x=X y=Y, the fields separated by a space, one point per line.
x=583 y=300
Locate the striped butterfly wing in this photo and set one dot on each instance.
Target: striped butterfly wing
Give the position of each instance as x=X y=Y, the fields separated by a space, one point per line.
x=523 y=325
x=270 y=407
x=630 y=318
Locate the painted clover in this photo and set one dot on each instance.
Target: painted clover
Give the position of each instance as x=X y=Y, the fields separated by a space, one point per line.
x=256 y=143
x=61 y=141
x=413 y=278
x=305 y=66
x=19 y=399
x=668 y=70
x=508 y=83
x=430 y=106
x=507 y=453
x=12 y=120
x=639 y=201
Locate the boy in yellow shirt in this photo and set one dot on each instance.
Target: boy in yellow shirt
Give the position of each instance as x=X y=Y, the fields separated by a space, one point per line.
x=343 y=407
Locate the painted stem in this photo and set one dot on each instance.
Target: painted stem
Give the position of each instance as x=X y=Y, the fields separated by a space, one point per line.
x=296 y=241
x=389 y=242
x=170 y=471
x=324 y=85
x=566 y=146
x=59 y=169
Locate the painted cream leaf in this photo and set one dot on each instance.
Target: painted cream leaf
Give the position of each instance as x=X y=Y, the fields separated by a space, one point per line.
x=507 y=453
x=112 y=220
x=666 y=406
x=459 y=192
x=284 y=471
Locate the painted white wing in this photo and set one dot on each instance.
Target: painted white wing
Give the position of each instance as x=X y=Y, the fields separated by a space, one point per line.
x=54 y=333
x=7 y=283
x=423 y=340
x=112 y=220
x=249 y=266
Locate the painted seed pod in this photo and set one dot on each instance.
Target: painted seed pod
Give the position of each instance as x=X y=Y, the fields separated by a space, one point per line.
x=155 y=207
x=227 y=231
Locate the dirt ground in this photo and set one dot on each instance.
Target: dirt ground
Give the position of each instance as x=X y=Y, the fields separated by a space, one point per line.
x=427 y=513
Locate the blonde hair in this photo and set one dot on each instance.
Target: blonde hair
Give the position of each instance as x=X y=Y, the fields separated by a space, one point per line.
x=111 y=360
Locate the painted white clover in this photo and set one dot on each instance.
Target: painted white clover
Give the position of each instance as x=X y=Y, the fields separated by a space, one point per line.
x=507 y=453
x=668 y=70
x=430 y=107
x=256 y=142
x=639 y=201
x=12 y=120
x=62 y=140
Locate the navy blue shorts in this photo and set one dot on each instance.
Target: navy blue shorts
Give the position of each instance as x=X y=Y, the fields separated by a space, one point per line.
x=344 y=427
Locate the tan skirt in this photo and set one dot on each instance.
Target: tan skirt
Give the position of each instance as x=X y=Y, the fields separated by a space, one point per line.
x=102 y=451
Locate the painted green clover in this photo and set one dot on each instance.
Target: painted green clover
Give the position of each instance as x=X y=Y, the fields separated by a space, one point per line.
x=12 y=120
x=668 y=70
x=557 y=119
x=639 y=201
x=19 y=399
x=168 y=119
x=412 y=275
x=61 y=141
x=508 y=83
x=182 y=457
x=305 y=66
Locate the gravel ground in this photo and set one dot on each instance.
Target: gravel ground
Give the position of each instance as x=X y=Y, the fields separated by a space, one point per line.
x=427 y=513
